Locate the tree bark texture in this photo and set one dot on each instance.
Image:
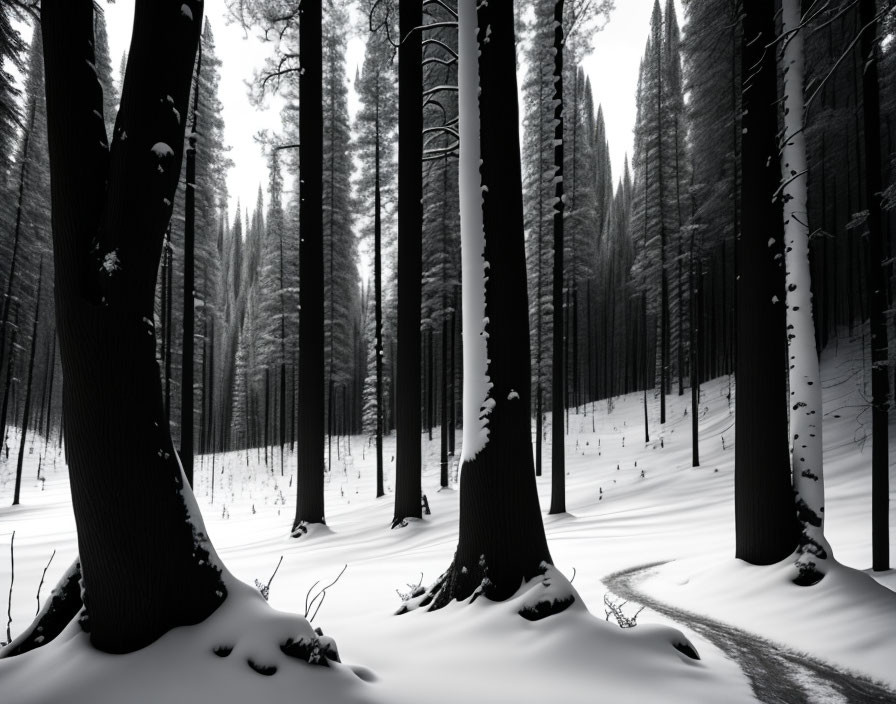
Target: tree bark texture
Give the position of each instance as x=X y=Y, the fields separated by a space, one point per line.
x=145 y=561
x=502 y=539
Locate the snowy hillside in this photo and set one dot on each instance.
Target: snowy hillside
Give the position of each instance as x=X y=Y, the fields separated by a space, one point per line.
x=630 y=503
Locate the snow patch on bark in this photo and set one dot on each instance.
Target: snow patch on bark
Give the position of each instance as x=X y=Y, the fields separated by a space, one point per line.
x=805 y=403
x=477 y=404
x=162 y=150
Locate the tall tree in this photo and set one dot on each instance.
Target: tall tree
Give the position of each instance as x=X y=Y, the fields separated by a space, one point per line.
x=138 y=584
x=711 y=51
x=537 y=184
x=558 y=373
x=28 y=236
x=26 y=411
x=189 y=288
x=408 y=424
x=376 y=119
x=501 y=540
x=441 y=228
x=763 y=504
x=805 y=403
x=12 y=49
x=310 y=437
x=104 y=71
x=877 y=289
x=341 y=291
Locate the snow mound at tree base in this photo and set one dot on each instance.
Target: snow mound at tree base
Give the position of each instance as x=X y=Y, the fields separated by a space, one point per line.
x=245 y=651
x=570 y=656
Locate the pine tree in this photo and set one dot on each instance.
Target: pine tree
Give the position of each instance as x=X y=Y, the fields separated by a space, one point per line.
x=678 y=179
x=501 y=540
x=711 y=61
x=310 y=436
x=29 y=235
x=104 y=72
x=26 y=411
x=209 y=202
x=341 y=295
x=558 y=366
x=538 y=174
x=877 y=289
x=441 y=221
x=376 y=192
x=12 y=50
x=279 y=300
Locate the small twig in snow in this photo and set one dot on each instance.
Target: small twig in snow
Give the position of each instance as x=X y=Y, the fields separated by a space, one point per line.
x=12 y=577
x=320 y=596
x=42 y=581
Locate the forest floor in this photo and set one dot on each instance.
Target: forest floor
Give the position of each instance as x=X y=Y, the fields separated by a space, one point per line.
x=630 y=503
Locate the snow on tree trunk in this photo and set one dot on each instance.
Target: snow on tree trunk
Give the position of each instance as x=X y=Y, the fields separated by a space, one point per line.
x=805 y=382
x=501 y=540
x=474 y=269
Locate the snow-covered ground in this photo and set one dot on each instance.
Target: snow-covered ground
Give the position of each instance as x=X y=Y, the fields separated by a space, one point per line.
x=629 y=503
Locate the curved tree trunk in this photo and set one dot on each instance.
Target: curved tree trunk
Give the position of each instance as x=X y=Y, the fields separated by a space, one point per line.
x=145 y=562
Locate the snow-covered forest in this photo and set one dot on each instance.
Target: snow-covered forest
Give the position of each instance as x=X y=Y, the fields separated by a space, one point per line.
x=478 y=395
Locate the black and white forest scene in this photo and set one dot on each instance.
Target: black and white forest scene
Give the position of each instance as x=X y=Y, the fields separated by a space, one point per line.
x=425 y=351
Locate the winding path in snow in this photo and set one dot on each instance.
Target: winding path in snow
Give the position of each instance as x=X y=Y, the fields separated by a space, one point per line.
x=776 y=675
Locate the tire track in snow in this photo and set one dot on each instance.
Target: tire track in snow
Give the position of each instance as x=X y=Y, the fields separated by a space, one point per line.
x=776 y=675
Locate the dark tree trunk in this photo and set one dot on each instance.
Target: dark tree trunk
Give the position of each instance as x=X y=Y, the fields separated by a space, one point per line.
x=430 y=378
x=539 y=413
x=443 y=478
x=109 y=214
x=310 y=477
x=378 y=305
x=765 y=516
x=452 y=401
x=43 y=392
x=694 y=362
x=267 y=416
x=210 y=430
x=645 y=363
x=410 y=262
x=876 y=290
x=7 y=388
x=52 y=363
x=664 y=285
x=14 y=259
x=27 y=411
x=330 y=419
x=558 y=370
x=501 y=532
